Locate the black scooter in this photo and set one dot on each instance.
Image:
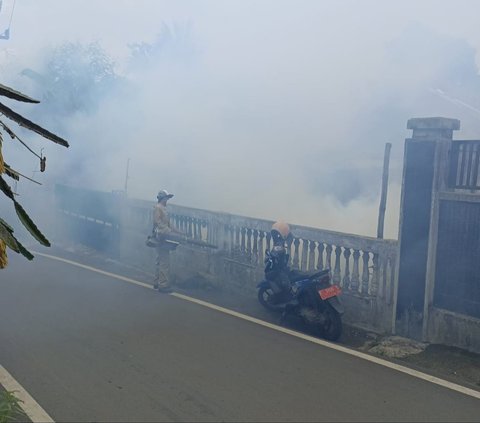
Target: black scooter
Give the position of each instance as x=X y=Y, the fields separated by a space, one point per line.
x=310 y=297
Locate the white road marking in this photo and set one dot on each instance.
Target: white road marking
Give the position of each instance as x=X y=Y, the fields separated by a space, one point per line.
x=419 y=375
x=31 y=408
x=94 y=269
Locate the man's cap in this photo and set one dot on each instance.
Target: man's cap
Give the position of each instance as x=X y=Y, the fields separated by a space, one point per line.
x=163 y=194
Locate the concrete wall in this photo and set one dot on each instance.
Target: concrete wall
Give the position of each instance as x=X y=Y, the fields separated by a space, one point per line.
x=448 y=328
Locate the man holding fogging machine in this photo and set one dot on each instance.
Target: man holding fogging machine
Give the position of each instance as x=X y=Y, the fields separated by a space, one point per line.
x=166 y=238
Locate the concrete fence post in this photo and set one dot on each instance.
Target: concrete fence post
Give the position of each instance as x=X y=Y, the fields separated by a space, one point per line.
x=424 y=174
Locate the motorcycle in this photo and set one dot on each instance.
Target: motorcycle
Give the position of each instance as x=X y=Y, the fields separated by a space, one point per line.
x=310 y=297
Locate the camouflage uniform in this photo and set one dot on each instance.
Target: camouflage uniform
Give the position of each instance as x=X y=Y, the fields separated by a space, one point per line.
x=162 y=228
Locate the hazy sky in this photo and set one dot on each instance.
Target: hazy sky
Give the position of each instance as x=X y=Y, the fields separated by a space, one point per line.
x=264 y=108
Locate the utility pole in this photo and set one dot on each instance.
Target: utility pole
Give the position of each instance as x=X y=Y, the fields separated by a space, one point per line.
x=126 y=176
x=383 y=197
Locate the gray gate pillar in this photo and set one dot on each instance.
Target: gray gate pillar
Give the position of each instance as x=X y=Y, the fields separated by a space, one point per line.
x=424 y=172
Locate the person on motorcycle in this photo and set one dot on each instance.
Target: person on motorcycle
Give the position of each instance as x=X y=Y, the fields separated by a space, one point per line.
x=278 y=271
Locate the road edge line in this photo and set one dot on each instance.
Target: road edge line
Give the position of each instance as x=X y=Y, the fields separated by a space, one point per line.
x=30 y=407
x=376 y=360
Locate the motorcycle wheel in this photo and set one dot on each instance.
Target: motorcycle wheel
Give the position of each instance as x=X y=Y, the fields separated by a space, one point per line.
x=332 y=327
x=264 y=296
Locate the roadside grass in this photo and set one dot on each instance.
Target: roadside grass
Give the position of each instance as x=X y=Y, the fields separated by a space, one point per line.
x=10 y=409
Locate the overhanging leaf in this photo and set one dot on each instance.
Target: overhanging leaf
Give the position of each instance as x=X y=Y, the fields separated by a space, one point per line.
x=3 y=257
x=15 y=174
x=2 y=163
x=25 y=253
x=15 y=136
x=16 y=95
x=10 y=172
x=10 y=240
x=8 y=130
x=5 y=188
x=6 y=233
x=31 y=125
x=31 y=227
x=10 y=229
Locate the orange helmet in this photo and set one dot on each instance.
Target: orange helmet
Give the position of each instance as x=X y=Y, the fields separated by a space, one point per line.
x=281 y=227
x=280 y=231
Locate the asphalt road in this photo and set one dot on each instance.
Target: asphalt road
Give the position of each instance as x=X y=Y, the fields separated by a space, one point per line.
x=91 y=348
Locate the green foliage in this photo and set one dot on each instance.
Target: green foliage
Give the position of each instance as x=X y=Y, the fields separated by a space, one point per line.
x=7 y=239
x=10 y=408
x=74 y=78
x=6 y=234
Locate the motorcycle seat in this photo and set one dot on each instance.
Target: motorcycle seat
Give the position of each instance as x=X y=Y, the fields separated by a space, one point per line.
x=297 y=275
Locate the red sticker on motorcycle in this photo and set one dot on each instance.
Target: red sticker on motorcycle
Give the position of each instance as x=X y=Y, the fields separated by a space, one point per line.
x=331 y=291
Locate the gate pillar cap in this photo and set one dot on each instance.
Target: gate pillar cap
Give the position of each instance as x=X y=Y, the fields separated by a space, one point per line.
x=433 y=123
x=433 y=128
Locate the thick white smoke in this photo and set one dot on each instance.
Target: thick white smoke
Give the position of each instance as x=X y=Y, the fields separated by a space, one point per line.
x=269 y=109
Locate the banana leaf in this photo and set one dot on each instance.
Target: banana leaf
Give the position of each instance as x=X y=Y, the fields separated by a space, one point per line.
x=31 y=227
x=23 y=216
x=16 y=95
x=10 y=172
x=9 y=113
x=2 y=162
x=5 y=188
x=10 y=229
x=15 y=136
x=15 y=174
x=6 y=234
x=8 y=130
